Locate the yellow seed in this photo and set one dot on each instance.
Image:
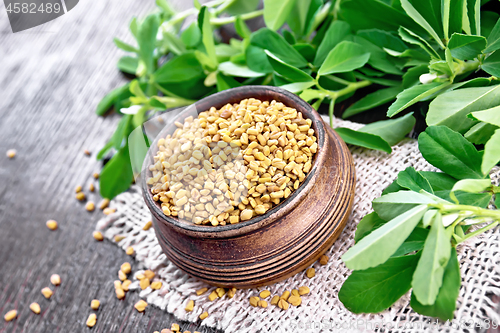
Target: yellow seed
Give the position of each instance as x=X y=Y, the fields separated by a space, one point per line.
x=51 y=224
x=144 y=283
x=265 y=294
x=295 y=292
x=311 y=272
x=190 y=306
x=140 y=276
x=91 y=187
x=96 y=175
x=323 y=260
x=304 y=290
x=126 y=268
x=204 y=315
x=80 y=196
x=141 y=306
x=97 y=235
x=149 y=274
x=295 y=300
x=35 y=307
x=91 y=320
x=246 y=214
x=11 y=153
x=201 y=291
x=118 y=238
x=47 y=292
x=260 y=209
x=148 y=225
x=282 y=304
x=254 y=301
x=275 y=300
x=175 y=328
x=156 y=285
x=285 y=295
x=10 y=315
x=86 y=152
x=126 y=284
x=104 y=204
x=90 y=206
x=95 y=304
x=108 y=211
x=213 y=295
x=231 y=292
x=78 y=189
x=55 y=279
x=262 y=304
x=122 y=276
x=130 y=250
x=220 y=292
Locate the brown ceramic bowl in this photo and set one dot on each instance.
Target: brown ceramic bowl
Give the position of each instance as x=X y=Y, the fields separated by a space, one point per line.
x=286 y=239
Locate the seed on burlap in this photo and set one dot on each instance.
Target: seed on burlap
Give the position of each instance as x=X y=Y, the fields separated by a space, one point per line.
x=144 y=283
x=254 y=301
x=109 y=211
x=265 y=294
x=220 y=292
x=303 y=290
x=104 y=204
x=262 y=304
x=323 y=260
x=156 y=285
x=204 y=315
x=285 y=295
x=295 y=300
x=175 y=327
x=149 y=274
x=148 y=225
x=295 y=292
x=118 y=238
x=190 y=306
x=213 y=295
x=282 y=304
x=130 y=250
x=97 y=235
x=275 y=300
x=310 y=272
x=231 y=292
x=201 y=291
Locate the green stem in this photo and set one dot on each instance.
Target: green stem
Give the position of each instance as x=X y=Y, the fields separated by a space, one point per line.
x=477 y=211
x=467 y=67
x=339 y=80
x=179 y=17
x=330 y=111
x=224 y=6
x=226 y=20
x=479 y=231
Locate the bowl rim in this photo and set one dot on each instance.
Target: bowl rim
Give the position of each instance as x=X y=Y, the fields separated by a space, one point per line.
x=218 y=100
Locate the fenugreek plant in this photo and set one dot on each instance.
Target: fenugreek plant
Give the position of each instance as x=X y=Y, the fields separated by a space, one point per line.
x=410 y=240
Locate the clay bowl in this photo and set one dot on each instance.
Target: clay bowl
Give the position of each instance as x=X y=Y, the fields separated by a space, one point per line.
x=286 y=239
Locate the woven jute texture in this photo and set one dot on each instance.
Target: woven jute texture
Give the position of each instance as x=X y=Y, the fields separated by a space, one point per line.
x=320 y=310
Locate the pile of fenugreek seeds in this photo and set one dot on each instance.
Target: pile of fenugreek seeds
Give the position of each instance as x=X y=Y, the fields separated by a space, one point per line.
x=232 y=164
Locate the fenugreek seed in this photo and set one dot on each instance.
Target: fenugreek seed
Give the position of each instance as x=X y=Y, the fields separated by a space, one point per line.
x=118 y=238
x=126 y=285
x=156 y=285
x=86 y=152
x=51 y=224
x=47 y=293
x=260 y=209
x=11 y=153
x=90 y=206
x=148 y=225
x=91 y=187
x=295 y=300
x=204 y=315
x=323 y=260
x=80 y=196
x=35 y=307
x=108 y=211
x=91 y=320
x=104 y=204
x=295 y=292
x=122 y=276
x=144 y=283
x=231 y=292
x=96 y=175
x=190 y=306
x=201 y=291
x=175 y=328
x=310 y=272
x=126 y=268
x=275 y=300
x=130 y=250
x=78 y=189
x=246 y=214
x=141 y=306
x=140 y=276
x=11 y=315
x=303 y=290
x=282 y=304
x=149 y=274
x=262 y=304
x=285 y=295
x=254 y=301
x=55 y=279
x=97 y=235
x=265 y=294
x=220 y=292
x=94 y=304
x=213 y=295
x=120 y=294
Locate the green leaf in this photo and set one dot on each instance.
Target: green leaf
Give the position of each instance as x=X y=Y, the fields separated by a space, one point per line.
x=392 y=188
x=257 y=60
x=191 y=36
x=429 y=217
x=492 y=64
x=381 y=81
x=372 y=100
x=413 y=180
x=230 y=69
x=490 y=116
x=242 y=28
x=473 y=13
x=276 y=12
x=146 y=39
x=417 y=17
x=439 y=180
x=412 y=76
x=466 y=47
x=414 y=242
x=296 y=19
x=165 y=6
x=173 y=43
x=428 y=276
x=121 y=132
x=383 y=39
x=378 y=57
x=368 y=223
x=414 y=94
x=470 y=186
x=104 y=150
x=134 y=28
x=345 y=57
x=491 y=153
x=412 y=38
x=451 y=152
x=289 y=72
x=451 y=107
x=494 y=39
x=226 y=82
x=480 y=133
x=305 y=50
x=392 y=130
x=375 y=289
x=378 y=246
x=497 y=200
x=297 y=87
x=361 y=139
x=124 y=46
x=207 y=35
x=239 y=7
x=336 y=32
x=392 y=205
x=275 y=43
x=455 y=16
x=446 y=300
x=116 y=176
x=110 y=99
x=179 y=69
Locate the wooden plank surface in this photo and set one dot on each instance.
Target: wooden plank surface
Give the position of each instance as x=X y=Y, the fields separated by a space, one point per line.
x=51 y=79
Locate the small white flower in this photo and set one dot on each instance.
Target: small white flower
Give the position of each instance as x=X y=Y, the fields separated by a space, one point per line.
x=427 y=78
x=131 y=110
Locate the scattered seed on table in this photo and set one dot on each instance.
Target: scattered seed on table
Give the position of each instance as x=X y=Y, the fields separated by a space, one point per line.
x=86 y=152
x=254 y=301
x=231 y=292
x=80 y=196
x=220 y=292
x=109 y=211
x=285 y=295
x=95 y=304
x=141 y=306
x=11 y=153
x=175 y=327
x=295 y=292
x=295 y=300
x=97 y=235
x=130 y=250
x=11 y=315
x=282 y=304
x=104 y=204
x=149 y=274
x=90 y=206
x=120 y=293
x=303 y=290
x=213 y=295
x=148 y=225
x=126 y=268
x=144 y=283
x=91 y=320
x=262 y=304
x=201 y=291
x=140 y=276
x=126 y=284
x=96 y=175
x=190 y=306
x=156 y=285
x=204 y=315
x=47 y=292
x=55 y=279
x=91 y=187
x=310 y=273
x=323 y=260
x=51 y=224
x=275 y=300
x=78 y=189
x=265 y=294
x=35 y=307
x=122 y=276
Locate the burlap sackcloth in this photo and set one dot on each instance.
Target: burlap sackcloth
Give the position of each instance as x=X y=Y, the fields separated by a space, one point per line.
x=320 y=310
